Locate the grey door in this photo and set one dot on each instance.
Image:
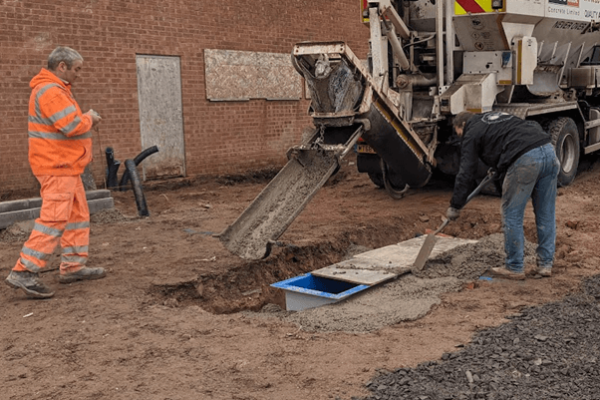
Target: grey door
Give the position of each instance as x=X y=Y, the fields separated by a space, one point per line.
x=161 y=117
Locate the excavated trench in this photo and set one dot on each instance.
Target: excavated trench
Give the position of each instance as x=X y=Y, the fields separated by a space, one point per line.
x=247 y=288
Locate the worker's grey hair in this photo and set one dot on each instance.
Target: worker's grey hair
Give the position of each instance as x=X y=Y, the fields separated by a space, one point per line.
x=462 y=118
x=63 y=54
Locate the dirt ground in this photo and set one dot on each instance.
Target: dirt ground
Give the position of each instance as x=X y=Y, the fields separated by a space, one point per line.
x=178 y=317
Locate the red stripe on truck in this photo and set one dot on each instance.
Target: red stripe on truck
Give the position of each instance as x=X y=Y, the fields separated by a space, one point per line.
x=470 y=6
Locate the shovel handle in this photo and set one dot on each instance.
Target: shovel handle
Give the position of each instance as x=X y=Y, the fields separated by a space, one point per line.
x=484 y=181
x=442 y=226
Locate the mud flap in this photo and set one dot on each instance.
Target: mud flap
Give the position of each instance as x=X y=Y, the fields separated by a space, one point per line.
x=276 y=207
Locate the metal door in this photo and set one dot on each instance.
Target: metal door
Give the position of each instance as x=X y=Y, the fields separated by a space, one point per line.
x=161 y=116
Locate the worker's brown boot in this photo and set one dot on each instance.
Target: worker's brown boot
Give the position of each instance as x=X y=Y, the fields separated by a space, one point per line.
x=544 y=272
x=30 y=283
x=84 y=274
x=503 y=272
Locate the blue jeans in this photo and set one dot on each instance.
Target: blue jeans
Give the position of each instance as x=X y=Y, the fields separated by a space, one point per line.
x=533 y=176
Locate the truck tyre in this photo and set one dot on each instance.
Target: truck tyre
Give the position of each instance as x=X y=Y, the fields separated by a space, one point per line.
x=565 y=139
x=395 y=188
x=377 y=179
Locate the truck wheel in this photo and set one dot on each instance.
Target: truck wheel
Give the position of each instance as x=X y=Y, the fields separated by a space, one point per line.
x=395 y=188
x=377 y=179
x=565 y=139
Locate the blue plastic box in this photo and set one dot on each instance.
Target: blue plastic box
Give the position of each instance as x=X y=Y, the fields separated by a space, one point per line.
x=309 y=291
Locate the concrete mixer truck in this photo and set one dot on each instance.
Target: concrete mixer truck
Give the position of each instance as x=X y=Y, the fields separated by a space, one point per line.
x=428 y=61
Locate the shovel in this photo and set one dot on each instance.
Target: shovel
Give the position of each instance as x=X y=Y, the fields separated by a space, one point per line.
x=430 y=240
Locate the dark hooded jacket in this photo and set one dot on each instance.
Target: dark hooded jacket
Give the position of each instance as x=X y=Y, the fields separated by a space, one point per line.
x=498 y=139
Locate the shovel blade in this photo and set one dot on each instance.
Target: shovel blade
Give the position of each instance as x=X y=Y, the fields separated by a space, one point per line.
x=425 y=252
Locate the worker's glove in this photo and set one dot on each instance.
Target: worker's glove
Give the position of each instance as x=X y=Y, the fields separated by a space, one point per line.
x=452 y=213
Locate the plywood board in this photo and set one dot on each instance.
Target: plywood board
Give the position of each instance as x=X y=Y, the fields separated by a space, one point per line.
x=243 y=75
x=405 y=253
x=379 y=265
x=358 y=272
x=161 y=115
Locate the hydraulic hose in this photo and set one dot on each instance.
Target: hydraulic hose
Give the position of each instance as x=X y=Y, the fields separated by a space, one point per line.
x=136 y=185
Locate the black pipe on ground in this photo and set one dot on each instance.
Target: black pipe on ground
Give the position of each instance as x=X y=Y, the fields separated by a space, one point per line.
x=136 y=185
x=112 y=168
x=137 y=160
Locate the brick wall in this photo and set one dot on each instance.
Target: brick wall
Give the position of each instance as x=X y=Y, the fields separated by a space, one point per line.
x=220 y=137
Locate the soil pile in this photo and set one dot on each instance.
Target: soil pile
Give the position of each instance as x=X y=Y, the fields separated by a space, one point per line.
x=470 y=261
x=17 y=232
x=545 y=352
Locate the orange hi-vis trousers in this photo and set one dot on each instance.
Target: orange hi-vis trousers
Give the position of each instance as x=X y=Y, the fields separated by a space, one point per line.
x=64 y=218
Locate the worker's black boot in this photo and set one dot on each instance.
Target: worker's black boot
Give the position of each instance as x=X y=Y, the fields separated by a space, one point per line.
x=30 y=283
x=84 y=274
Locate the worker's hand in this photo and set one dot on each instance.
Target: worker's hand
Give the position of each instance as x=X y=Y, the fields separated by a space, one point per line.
x=452 y=214
x=96 y=118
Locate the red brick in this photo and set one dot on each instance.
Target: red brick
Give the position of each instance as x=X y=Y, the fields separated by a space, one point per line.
x=220 y=138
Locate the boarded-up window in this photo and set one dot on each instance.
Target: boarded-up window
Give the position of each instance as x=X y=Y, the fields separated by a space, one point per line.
x=243 y=75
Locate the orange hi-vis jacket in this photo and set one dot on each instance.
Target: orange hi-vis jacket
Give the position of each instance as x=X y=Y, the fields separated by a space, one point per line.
x=60 y=141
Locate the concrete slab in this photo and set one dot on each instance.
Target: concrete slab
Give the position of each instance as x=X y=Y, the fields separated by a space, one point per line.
x=36 y=202
x=10 y=217
x=380 y=265
x=16 y=205
x=97 y=205
x=97 y=194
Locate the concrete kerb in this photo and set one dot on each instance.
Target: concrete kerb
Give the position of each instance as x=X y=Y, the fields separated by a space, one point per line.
x=28 y=209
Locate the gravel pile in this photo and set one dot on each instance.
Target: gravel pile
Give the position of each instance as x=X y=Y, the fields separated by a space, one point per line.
x=546 y=352
x=17 y=232
x=107 y=217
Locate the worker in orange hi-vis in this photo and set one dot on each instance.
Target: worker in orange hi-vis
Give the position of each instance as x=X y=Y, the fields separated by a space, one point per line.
x=60 y=147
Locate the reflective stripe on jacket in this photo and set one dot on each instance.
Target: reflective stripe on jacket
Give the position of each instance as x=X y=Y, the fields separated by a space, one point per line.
x=60 y=141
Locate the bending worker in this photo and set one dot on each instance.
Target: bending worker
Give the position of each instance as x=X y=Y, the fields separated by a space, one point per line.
x=521 y=151
x=60 y=147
